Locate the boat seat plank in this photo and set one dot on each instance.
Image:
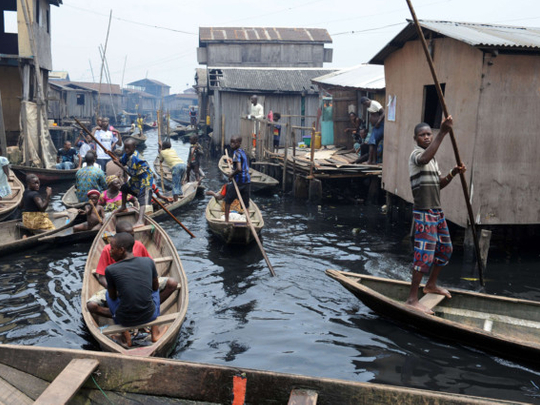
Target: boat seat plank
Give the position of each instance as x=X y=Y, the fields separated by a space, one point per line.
x=159 y=260
x=11 y=395
x=143 y=228
x=431 y=300
x=303 y=397
x=489 y=317
x=114 y=329
x=68 y=382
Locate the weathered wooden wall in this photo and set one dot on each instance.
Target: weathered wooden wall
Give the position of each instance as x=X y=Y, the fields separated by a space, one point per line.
x=234 y=105
x=407 y=72
x=11 y=85
x=506 y=188
x=265 y=55
x=42 y=37
x=342 y=98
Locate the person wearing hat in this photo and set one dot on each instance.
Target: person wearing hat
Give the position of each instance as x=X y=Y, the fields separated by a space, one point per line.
x=111 y=199
x=376 y=119
x=94 y=213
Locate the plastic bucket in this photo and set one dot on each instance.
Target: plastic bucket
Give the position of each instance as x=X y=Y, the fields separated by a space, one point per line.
x=307 y=140
x=317 y=140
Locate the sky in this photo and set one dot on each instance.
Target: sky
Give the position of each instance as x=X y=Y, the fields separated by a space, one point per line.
x=158 y=39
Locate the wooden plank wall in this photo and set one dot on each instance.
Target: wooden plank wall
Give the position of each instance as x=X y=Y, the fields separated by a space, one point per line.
x=341 y=101
x=507 y=147
x=11 y=85
x=407 y=72
x=234 y=105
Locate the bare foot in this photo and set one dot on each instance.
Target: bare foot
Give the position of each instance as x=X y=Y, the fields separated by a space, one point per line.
x=121 y=209
x=419 y=307
x=437 y=290
x=127 y=337
x=158 y=332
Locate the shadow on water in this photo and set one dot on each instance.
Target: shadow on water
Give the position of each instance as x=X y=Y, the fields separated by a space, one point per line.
x=298 y=322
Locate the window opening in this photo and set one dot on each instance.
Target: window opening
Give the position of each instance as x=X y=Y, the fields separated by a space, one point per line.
x=432 y=111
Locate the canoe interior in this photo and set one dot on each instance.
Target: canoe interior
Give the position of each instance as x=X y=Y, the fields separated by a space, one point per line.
x=259 y=180
x=159 y=246
x=45 y=176
x=15 y=237
x=189 y=190
x=11 y=202
x=479 y=317
x=233 y=232
x=126 y=379
x=70 y=199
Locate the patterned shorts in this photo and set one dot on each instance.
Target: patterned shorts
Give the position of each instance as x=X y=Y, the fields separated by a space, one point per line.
x=432 y=243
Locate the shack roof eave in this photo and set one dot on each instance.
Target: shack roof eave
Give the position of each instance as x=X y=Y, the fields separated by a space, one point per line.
x=361 y=77
x=209 y=35
x=478 y=35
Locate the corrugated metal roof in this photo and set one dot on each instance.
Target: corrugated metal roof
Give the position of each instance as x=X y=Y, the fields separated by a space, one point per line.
x=263 y=34
x=141 y=82
x=102 y=88
x=269 y=80
x=365 y=77
x=475 y=34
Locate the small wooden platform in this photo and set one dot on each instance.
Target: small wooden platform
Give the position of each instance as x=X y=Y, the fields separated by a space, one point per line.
x=431 y=300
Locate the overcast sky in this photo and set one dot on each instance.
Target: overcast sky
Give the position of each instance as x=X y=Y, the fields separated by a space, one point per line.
x=158 y=39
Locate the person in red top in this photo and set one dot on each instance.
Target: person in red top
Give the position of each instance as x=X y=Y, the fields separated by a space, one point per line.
x=97 y=304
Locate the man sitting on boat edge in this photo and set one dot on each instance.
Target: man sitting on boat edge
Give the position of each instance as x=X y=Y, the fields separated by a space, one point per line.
x=132 y=288
x=432 y=243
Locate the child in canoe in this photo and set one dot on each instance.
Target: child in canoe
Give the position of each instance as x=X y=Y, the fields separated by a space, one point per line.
x=94 y=213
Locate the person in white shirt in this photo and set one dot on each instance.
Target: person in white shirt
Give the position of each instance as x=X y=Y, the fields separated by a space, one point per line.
x=256 y=110
x=108 y=140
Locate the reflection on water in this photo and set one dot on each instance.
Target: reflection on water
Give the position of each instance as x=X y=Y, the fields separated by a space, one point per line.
x=298 y=322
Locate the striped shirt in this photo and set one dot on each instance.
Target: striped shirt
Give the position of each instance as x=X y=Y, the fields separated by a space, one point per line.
x=242 y=177
x=425 y=182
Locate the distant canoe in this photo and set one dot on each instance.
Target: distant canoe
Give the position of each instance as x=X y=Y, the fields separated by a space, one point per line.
x=506 y=326
x=259 y=181
x=165 y=255
x=70 y=200
x=13 y=231
x=45 y=176
x=233 y=232
x=12 y=201
x=137 y=136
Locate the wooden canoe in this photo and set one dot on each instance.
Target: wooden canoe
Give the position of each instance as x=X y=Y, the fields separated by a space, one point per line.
x=13 y=232
x=189 y=190
x=54 y=375
x=45 y=176
x=233 y=232
x=259 y=181
x=137 y=136
x=12 y=201
x=70 y=200
x=173 y=311
x=506 y=326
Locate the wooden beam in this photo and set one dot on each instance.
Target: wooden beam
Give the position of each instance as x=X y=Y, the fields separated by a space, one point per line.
x=67 y=383
x=113 y=329
x=303 y=397
x=431 y=300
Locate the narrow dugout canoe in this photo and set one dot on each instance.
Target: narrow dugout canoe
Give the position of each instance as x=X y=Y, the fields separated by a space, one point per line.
x=259 y=181
x=13 y=232
x=233 y=232
x=26 y=373
x=189 y=190
x=137 y=136
x=45 y=176
x=506 y=326
x=12 y=201
x=70 y=200
x=173 y=310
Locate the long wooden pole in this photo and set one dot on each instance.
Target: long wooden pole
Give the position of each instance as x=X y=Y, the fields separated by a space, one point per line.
x=113 y=156
x=160 y=146
x=454 y=143
x=253 y=231
x=103 y=64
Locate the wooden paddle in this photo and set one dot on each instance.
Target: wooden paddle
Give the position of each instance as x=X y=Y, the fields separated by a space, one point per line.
x=454 y=144
x=113 y=156
x=159 y=150
x=95 y=211
x=246 y=211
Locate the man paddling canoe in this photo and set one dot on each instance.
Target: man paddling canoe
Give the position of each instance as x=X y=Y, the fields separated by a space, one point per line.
x=432 y=243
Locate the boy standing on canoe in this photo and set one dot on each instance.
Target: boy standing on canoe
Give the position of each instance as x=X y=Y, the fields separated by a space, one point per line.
x=140 y=182
x=177 y=166
x=240 y=173
x=432 y=244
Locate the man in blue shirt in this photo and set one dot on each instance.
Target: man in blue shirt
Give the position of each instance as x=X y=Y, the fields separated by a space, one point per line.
x=65 y=157
x=240 y=173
